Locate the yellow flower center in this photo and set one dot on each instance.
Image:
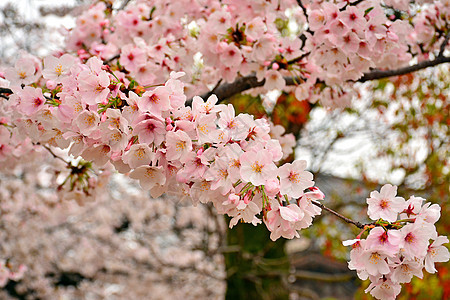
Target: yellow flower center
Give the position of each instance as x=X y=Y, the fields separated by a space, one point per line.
x=257 y=168
x=58 y=69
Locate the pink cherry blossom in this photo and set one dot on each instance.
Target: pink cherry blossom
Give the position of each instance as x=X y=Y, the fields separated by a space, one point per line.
x=385 y=204
x=138 y=155
x=93 y=87
x=178 y=144
x=415 y=239
x=31 y=100
x=150 y=131
x=436 y=253
x=132 y=57
x=384 y=288
x=57 y=68
x=257 y=167
x=155 y=101
x=149 y=177
x=386 y=242
x=294 y=179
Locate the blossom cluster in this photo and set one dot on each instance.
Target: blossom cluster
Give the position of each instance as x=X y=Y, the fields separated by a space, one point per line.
x=328 y=42
x=204 y=151
x=121 y=102
x=208 y=41
x=347 y=42
x=431 y=27
x=397 y=246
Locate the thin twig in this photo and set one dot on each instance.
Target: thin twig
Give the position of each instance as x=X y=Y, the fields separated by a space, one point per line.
x=206 y=96
x=303 y=8
x=124 y=4
x=111 y=59
x=54 y=155
x=356 y=223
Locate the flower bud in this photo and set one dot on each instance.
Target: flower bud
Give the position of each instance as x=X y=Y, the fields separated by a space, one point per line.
x=50 y=84
x=272 y=187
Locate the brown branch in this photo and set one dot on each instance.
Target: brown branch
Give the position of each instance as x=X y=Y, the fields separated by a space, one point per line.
x=5 y=91
x=227 y=90
x=350 y=221
x=380 y=74
x=299 y=2
x=242 y=84
x=214 y=89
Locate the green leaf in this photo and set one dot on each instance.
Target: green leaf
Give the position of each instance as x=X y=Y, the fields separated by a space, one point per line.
x=368 y=11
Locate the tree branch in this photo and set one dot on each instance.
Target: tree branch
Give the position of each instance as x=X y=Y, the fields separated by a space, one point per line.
x=124 y=4
x=5 y=91
x=356 y=223
x=380 y=74
x=303 y=8
x=227 y=90
x=242 y=84
x=443 y=45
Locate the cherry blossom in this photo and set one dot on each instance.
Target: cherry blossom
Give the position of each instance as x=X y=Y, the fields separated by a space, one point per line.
x=396 y=251
x=116 y=97
x=385 y=204
x=294 y=179
x=257 y=167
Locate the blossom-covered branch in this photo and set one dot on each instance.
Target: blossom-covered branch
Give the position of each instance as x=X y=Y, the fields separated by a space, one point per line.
x=243 y=84
x=380 y=74
x=131 y=113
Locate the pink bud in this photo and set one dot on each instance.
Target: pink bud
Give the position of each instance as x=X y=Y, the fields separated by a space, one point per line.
x=272 y=187
x=247 y=197
x=233 y=198
x=130 y=143
x=275 y=66
x=83 y=54
x=280 y=50
x=50 y=84
x=200 y=151
x=169 y=127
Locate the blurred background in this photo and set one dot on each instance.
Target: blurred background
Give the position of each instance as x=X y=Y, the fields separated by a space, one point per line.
x=126 y=245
